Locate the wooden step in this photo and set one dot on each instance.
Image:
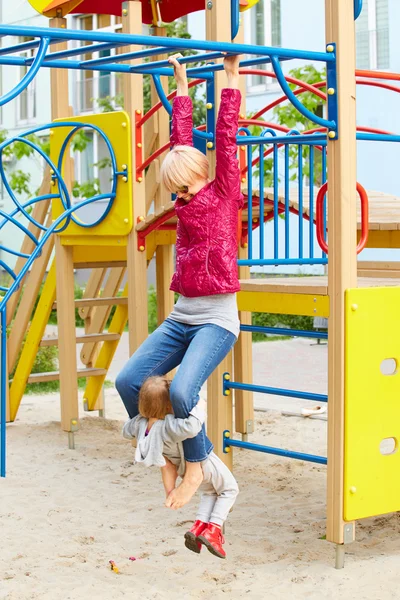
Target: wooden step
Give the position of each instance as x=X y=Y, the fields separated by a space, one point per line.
x=81 y=339
x=55 y=375
x=106 y=301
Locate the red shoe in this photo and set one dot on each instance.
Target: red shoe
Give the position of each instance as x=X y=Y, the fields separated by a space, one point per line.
x=213 y=539
x=191 y=536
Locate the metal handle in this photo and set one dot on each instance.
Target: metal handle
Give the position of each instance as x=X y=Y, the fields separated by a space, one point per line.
x=319 y=218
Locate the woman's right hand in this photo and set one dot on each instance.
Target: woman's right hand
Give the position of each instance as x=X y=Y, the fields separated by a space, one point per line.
x=179 y=74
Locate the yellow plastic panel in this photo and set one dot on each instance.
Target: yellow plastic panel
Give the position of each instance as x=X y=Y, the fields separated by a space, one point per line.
x=284 y=304
x=54 y=8
x=119 y=221
x=372 y=402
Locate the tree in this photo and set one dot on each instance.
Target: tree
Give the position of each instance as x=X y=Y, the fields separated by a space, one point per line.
x=287 y=115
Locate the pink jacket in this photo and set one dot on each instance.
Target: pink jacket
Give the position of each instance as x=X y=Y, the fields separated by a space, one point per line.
x=206 y=243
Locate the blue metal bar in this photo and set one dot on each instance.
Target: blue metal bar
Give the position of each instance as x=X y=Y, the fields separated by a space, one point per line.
x=249 y=201
x=293 y=99
x=300 y=188
x=311 y=202
x=3 y=391
x=357 y=8
x=115 y=58
x=166 y=104
x=14 y=252
x=276 y=202
x=29 y=76
x=250 y=262
x=332 y=94
x=228 y=442
x=8 y=269
x=303 y=139
x=287 y=201
x=235 y=20
x=193 y=58
x=210 y=112
x=377 y=137
x=181 y=43
x=283 y=331
x=261 y=196
x=261 y=389
x=19 y=225
x=25 y=205
x=83 y=50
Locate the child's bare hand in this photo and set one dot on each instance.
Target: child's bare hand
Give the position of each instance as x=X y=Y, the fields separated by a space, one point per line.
x=179 y=69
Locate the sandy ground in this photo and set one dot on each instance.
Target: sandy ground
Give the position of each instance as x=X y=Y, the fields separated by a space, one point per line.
x=64 y=514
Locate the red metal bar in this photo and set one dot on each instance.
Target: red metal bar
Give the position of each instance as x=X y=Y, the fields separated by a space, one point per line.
x=141 y=239
x=155 y=108
x=138 y=146
x=320 y=218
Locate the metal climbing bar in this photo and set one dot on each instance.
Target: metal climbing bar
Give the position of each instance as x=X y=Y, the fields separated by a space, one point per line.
x=3 y=388
x=285 y=331
x=234 y=385
x=231 y=443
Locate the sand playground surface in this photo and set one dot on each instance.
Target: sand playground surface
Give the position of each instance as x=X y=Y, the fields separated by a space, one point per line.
x=65 y=514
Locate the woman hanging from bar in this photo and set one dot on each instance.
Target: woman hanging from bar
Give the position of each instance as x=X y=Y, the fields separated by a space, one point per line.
x=204 y=324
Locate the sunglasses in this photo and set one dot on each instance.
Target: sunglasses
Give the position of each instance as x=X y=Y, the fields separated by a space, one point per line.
x=183 y=189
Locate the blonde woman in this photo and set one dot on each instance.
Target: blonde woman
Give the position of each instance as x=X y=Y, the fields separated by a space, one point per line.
x=204 y=324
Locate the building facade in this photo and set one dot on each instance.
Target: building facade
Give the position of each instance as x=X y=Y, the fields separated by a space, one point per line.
x=286 y=23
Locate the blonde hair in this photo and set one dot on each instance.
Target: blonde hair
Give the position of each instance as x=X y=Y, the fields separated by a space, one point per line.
x=182 y=166
x=154 y=401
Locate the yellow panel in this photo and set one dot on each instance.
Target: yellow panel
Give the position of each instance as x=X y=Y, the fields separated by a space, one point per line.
x=88 y=254
x=372 y=402
x=284 y=304
x=52 y=8
x=383 y=238
x=119 y=221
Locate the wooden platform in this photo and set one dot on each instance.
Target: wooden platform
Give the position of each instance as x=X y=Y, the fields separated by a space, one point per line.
x=315 y=285
x=306 y=296
x=384 y=209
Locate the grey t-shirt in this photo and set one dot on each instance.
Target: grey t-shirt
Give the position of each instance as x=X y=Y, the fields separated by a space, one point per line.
x=220 y=309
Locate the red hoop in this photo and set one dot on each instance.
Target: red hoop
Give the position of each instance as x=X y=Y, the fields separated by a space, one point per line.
x=319 y=218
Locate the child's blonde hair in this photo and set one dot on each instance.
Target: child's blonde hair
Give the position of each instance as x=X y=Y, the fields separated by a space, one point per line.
x=154 y=401
x=182 y=166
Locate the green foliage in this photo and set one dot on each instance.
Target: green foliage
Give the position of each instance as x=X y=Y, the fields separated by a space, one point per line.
x=87 y=189
x=152 y=307
x=287 y=114
x=19 y=181
x=290 y=321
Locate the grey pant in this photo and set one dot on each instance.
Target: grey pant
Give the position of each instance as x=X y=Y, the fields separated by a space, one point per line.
x=219 y=490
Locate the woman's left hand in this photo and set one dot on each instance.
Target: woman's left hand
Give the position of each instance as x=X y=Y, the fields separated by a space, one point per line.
x=231 y=65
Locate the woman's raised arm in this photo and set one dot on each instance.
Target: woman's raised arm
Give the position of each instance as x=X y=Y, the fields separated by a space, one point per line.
x=182 y=109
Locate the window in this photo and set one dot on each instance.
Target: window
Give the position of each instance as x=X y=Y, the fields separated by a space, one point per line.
x=27 y=98
x=372 y=35
x=263 y=28
x=92 y=86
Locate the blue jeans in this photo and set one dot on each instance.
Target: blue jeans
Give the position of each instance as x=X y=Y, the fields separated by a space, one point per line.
x=198 y=349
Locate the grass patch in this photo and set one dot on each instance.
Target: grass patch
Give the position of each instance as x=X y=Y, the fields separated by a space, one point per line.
x=51 y=387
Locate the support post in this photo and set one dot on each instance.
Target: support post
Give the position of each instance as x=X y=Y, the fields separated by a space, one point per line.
x=65 y=269
x=136 y=261
x=164 y=254
x=342 y=263
x=218 y=28
x=243 y=351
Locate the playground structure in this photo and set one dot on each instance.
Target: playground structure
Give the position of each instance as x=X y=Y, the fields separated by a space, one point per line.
x=361 y=479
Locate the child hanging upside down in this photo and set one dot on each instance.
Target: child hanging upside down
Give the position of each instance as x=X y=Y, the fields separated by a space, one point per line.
x=159 y=438
x=204 y=323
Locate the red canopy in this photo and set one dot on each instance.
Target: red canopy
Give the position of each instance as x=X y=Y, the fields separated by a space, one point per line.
x=170 y=10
